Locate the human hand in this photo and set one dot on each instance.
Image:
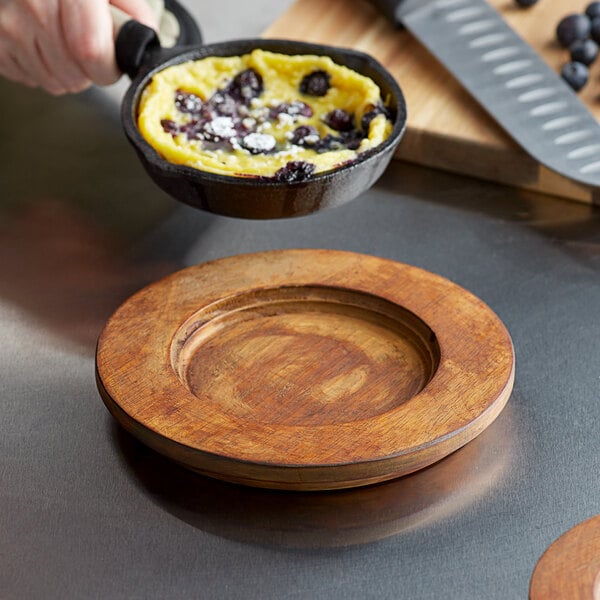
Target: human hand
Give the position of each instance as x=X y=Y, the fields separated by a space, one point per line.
x=63 y=46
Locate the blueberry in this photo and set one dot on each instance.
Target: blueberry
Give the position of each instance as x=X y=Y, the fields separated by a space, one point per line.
x=187 y=102
x=572 y=28
x=297 y=107
x=371 y=114
x=294 y=109
x=329 y=143
x=170 y=126
x=575 y=74
x=223 y=105
x=305 y=135
x=339 y=119
x=526 y=3
x=246 y=85
x=352 y=139
x=192 y=129
x=595 y=30
x=593 y=10
x=293 y=171
x=584 y=51
x=315 y=83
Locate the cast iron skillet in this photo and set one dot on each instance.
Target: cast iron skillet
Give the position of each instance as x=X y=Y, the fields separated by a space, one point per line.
x=140 y=56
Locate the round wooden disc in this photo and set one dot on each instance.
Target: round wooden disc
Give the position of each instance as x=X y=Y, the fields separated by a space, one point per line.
x=570 y=567
x=304 y=369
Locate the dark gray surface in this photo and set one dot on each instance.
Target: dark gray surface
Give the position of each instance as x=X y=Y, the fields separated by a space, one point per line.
x=87 y=512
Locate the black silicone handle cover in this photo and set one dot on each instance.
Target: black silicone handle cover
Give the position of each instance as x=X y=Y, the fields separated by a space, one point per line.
x=134 y=45
x=389 y=8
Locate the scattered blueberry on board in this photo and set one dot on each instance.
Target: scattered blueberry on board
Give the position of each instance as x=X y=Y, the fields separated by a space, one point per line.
x=584 y=51
x=595 y=30
x=579 y=33
x=572 y=28
x=575 y=74
x=593 y=10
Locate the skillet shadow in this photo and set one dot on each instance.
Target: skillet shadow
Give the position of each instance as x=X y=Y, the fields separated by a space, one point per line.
x=331 y=519
x=74 y=213
x=574 y=225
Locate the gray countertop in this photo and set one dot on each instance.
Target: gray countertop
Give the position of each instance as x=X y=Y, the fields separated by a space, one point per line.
x=88 y=512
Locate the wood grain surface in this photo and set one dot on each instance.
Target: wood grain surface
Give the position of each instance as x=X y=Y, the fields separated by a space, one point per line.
x=570 y=568
x=446 y=129
x=305 y=369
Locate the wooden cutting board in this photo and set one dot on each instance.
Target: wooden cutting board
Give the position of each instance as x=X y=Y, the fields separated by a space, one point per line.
x=447 y=129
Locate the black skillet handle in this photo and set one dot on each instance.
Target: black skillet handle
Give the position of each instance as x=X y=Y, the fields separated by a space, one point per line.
x=189 y=30
x=136 y=45
x=395 y=10
x=390 y=9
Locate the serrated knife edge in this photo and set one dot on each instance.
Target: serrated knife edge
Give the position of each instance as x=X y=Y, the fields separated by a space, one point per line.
x=510 y=80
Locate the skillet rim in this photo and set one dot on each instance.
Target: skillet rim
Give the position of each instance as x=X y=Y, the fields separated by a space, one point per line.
x=179 y=55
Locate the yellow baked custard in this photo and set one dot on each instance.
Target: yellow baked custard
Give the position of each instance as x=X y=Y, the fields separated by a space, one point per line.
x=263 y=114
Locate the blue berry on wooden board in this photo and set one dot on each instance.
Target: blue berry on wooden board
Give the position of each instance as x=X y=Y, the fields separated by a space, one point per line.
x=575 y=74
x=584 y=51
x=526 y=3
x=593 y=10
x=572 y=28
x=595 y=30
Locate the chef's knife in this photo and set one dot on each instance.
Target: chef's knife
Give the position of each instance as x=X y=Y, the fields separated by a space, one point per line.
x=509 y=79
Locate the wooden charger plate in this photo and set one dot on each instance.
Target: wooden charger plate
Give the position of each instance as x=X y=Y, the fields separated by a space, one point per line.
x=570 y=567
x=304 y=369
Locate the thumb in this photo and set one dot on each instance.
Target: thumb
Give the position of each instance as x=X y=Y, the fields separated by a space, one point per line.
x=139 y=10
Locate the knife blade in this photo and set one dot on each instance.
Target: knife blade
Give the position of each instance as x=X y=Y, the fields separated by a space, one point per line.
x=509 y=79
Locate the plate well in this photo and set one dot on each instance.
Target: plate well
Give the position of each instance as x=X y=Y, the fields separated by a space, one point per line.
x=316 y=355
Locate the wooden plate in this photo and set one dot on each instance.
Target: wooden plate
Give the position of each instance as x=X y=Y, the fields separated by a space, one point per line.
x=570 y=568
x=304 y=369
